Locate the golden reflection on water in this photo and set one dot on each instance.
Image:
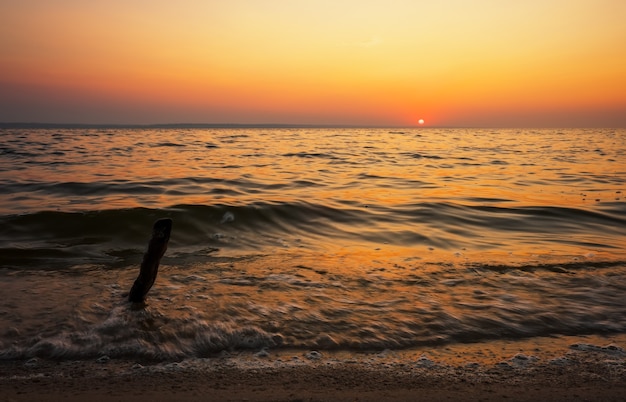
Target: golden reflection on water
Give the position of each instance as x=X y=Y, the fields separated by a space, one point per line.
x=352 y=172
x=441 y=164
x=338 y=237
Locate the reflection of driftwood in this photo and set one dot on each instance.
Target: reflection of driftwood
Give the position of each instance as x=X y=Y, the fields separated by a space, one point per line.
x=150 y=264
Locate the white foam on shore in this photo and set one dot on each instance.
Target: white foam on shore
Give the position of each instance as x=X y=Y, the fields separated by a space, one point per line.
x=489 y=362
x=592 y=363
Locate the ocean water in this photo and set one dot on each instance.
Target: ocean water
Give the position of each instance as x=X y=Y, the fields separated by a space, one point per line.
x=325 y=239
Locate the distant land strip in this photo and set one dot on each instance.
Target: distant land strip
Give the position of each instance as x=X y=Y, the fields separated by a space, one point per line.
x=175 y=125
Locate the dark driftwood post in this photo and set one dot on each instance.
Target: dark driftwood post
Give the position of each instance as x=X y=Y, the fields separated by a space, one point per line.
x=150 y=264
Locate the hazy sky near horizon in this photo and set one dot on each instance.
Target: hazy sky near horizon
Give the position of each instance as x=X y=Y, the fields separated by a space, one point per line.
x=532 y=63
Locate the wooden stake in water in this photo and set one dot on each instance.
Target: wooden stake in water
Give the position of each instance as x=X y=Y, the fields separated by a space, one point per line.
x=151 y=259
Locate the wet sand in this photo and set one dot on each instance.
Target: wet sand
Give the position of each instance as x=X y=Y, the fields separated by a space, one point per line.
x=555 y=369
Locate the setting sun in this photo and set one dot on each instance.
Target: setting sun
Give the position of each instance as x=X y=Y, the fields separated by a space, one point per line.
x=420 y=121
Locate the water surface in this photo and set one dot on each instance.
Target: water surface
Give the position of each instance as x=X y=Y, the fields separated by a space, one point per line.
x=309 y=238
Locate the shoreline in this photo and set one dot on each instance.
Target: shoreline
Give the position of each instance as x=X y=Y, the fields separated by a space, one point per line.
x=590 y=368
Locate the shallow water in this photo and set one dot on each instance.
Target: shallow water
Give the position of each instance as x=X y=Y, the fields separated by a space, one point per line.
x=337 y=239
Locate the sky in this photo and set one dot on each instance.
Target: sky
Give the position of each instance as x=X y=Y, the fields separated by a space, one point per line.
x=479 y=63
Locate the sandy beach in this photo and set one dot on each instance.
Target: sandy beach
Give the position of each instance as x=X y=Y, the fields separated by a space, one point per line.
x=555 y=369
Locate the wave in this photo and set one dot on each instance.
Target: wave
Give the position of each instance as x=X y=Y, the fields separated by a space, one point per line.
x=204 y=311
x=107 y=235
x=128 y=333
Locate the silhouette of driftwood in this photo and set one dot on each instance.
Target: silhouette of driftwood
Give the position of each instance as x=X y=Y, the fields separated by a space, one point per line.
x=151 y=259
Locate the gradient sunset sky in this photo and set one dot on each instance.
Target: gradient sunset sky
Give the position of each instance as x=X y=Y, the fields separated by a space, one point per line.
x=502 y=63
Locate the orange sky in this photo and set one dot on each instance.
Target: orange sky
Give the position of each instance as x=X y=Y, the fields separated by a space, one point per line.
x=532 y=63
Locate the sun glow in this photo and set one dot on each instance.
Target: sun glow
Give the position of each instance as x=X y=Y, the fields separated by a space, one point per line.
x=348 y=62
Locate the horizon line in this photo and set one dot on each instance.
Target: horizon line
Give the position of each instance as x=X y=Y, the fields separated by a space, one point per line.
x=39 y=125
x=189 y=125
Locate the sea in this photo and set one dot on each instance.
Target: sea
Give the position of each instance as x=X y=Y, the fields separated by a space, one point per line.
x=313 y=239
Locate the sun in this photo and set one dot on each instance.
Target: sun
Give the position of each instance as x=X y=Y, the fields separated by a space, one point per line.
x=420 y=121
